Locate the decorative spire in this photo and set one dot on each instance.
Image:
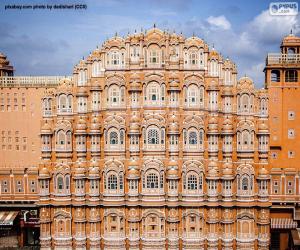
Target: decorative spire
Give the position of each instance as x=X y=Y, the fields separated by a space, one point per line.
x=154 y=25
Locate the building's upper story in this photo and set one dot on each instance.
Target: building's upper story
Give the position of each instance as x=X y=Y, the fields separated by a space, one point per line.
x=284 y=67
x=155 y=49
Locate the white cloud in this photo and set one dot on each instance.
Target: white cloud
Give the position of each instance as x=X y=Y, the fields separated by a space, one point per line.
x=270 y=28
x=219 y=22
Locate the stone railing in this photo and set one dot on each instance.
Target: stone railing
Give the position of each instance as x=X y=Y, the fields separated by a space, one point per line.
x=278 y=58
x=31 y=81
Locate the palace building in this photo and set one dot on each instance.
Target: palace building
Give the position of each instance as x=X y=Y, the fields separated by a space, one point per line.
x=154 y=144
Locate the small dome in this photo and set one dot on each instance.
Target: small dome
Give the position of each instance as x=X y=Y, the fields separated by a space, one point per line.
x=227 y=126
x=212 y=125
x=213 y=53
x=245 y=81
x=172 y=163
x=133 y=172
x=172 y=173
x=173 y=128
x=263 y=172
x=44 y=172
x=227 y=170
x=135 y=86
x=213 y=85
x=82 y=92
x=212 y=164
x=134 y=118
x=134 y=127
x=81 y=124
x=94 y=172
x=133 y=163
x=213 y=173
x=96 y=86
x=212 y=120
x=227 y=91
x=46 y=128
x=79 y=171
x=3 y=60
x=263 y=127
x=174 y=85
x=95 y=124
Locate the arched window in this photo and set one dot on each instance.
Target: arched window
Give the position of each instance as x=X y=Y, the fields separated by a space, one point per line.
x=291 y=51
x=193 y=58
x=153 y=136
x=213 y=68
x=114 y=95
x=69 y=140
x=60 y=183
x=112 y=182
x=122 y=136
x=245 y=103
x=47 y=106
x=61 y=137
x=153 y=56
x=67 y=179
x=153 y=92
x=192 y=182
x=62 y=104
x=113 y=138
x=152 y=180
x=115 y=58
x=193 y=137
x=193 y=93
x=245 y=183
x=245 y=136
x=275 y=75
x=291 y=76
x=82 y=77
x=263 y=106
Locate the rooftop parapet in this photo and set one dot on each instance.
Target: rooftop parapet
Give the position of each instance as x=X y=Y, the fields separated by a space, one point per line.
x=31 y=81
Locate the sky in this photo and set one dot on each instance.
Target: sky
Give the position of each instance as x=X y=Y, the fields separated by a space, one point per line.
x=51 y=42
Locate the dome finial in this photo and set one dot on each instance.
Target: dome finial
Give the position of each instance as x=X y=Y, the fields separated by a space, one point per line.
x=154 y=25
x=291 y=32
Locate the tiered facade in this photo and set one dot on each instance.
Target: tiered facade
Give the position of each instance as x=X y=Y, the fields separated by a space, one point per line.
x=154 y=144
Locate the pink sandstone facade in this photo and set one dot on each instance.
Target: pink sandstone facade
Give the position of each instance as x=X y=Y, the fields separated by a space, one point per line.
x=154 y=144
x=151 y=144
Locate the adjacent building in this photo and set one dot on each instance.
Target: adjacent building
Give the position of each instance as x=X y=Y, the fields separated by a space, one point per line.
x=282 y=81
x=153 y=144
x=20 y=154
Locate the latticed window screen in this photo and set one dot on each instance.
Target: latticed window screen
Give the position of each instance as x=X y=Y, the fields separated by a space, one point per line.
x=193 y=137
x=112 y=182
x=153 y=136
x=192 y=182
x=152 y=180
x=113 y=137
x=245 y=183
